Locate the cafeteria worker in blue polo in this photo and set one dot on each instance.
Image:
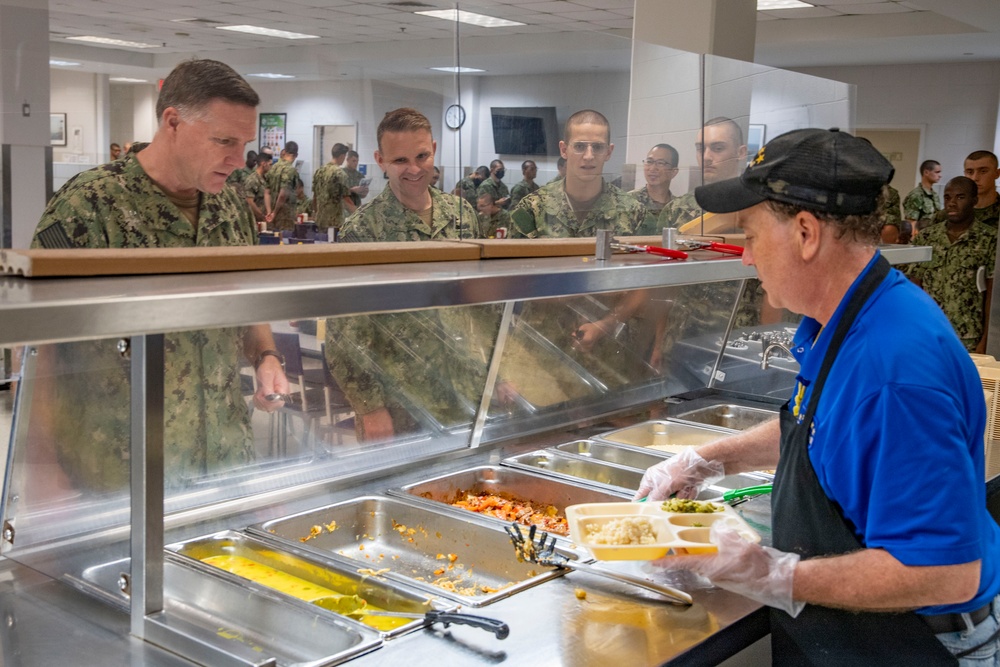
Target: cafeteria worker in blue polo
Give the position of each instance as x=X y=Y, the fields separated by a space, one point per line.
x=884 y=552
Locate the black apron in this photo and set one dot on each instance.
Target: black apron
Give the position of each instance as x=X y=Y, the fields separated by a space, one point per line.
x=805 y=521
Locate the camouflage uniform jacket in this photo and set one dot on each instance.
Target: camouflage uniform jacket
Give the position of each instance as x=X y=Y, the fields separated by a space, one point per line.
x=488 y=224
x=384 y=218
x=469 y=190
x=678 y=211
x=498 y=189
x=950 y=275
x=283 y=176
x=237 y=178
x=893 y=211
x=654 y=207
x=520 y=191
x=354 y=178
x=330 y=187
x=207 y=425
x=253 y=188
x=919 y=204
x=548 y=212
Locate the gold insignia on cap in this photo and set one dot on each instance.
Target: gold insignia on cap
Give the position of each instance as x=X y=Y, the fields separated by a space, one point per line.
x=759 y=158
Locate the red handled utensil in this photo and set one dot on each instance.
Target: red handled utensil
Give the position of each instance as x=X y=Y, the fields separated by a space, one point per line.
x=651 y=249
x=724 y=248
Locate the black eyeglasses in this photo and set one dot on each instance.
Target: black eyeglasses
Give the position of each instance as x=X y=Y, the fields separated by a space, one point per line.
x=662 y=164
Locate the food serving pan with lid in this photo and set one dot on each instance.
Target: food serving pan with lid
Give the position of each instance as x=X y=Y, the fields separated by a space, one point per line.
x=663 y=435
x=467 y=559
x=617 y=479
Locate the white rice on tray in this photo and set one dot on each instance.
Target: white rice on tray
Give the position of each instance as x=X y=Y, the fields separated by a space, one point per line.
x=626 y=530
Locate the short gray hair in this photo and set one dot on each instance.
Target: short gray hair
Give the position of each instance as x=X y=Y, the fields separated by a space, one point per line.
x=193 y=84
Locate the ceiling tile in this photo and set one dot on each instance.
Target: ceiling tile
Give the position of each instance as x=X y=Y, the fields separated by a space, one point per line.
x=878 y=8
x=803 y=13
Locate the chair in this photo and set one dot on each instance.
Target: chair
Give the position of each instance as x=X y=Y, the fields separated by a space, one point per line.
x=307 y=387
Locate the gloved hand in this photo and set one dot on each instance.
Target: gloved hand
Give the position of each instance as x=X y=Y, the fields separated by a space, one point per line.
x=682 y=475
x=759 y=573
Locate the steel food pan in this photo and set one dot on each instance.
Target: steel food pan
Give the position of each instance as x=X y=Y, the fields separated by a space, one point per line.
x=729 y=416
x=539 y=491
x=440 y=553
x=662 y=435
x=216 y=611
x=246 y=558
x=609 y=453
x=618 y=479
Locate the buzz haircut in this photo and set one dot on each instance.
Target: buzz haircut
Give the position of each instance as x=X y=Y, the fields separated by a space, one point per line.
x=586 y=116
x=983 y=155
x=524 y=165
x=193 y=84
x=495 y=163
x=734 y=128
x=965 y=183
x=338 y=150
x=352 y=153
x=674 y=157
x=404 y=119
x=928 y=165
x=292 y=148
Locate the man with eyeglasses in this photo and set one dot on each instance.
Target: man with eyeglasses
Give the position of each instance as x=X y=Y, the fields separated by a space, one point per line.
x=722 y=154
x=584 y=202
x=659 y=168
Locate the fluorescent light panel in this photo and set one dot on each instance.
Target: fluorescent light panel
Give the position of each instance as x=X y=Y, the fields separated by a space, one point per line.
x=459 y=70
x=266 y=32
x=125 y=79
x=108 y=41
x=765 y=5
x=271 y=75
x=460 y=16
x=62 y=63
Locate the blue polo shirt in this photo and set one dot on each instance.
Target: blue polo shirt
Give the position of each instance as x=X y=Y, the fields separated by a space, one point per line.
x=897 y=440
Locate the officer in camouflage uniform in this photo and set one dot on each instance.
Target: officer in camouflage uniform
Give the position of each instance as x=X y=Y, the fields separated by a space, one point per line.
x=330 y=189
x=354 y=178
x=254 y=187
x=981 y=167
x=893 y=210
x=963 y=248
x=921 y=203
x=280 y=196
x=468 y=187
x=494 y=185
x=491 y=217
x=659 y=167
x=400 y=371
x=527 y=185
x=144 y=200
x=237 y=178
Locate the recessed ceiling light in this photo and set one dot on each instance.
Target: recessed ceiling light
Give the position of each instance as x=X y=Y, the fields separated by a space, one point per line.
x=114 y=42
x=459 y=70
x=267 y=32
x=271 y=75
x=125 y=79
x=766 y=5
x=62 y=63
x=480 y=20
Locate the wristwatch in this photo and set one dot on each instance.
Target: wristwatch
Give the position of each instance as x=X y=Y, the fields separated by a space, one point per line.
x=269 y=353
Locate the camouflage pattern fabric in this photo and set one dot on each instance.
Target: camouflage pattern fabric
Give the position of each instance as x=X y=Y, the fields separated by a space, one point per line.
x=283 y=176
x=893 y=211
x=950 y=276
x=488 y=224
x=498 y=189
x=237 y=178
x=330 y=187
x=384 y=218
x=253 y=187
x=207 y=426
x=469 y=190
x=547 y=212
x=678 y=211
x=654 y=207
x=354 y=178
x=919 y=204
x=520 y=191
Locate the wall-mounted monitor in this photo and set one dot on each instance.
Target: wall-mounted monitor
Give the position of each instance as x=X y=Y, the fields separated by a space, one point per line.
x=525 y=130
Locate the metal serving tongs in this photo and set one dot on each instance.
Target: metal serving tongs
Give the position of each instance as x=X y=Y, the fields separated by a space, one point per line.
x=355 y=607
x=700 y=244
x=540 y=548
x=651 y=249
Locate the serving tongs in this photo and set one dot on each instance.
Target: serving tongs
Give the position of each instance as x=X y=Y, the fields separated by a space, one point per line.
x=355 y=607
x=651 y=249
x=540 y=548
x=699 y=244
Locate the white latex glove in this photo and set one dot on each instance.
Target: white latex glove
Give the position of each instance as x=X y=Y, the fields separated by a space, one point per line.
x=760 y=573
x=682 y=475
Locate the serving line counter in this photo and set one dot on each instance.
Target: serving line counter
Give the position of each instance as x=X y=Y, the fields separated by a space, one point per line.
x=84 y=538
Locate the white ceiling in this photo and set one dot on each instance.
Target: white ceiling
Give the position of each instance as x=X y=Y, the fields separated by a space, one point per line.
x=365 y=38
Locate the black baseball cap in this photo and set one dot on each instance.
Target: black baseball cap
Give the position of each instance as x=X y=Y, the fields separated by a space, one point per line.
x=822 y=170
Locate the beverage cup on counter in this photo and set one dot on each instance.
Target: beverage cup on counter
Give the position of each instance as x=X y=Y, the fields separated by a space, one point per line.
x=501 y=232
